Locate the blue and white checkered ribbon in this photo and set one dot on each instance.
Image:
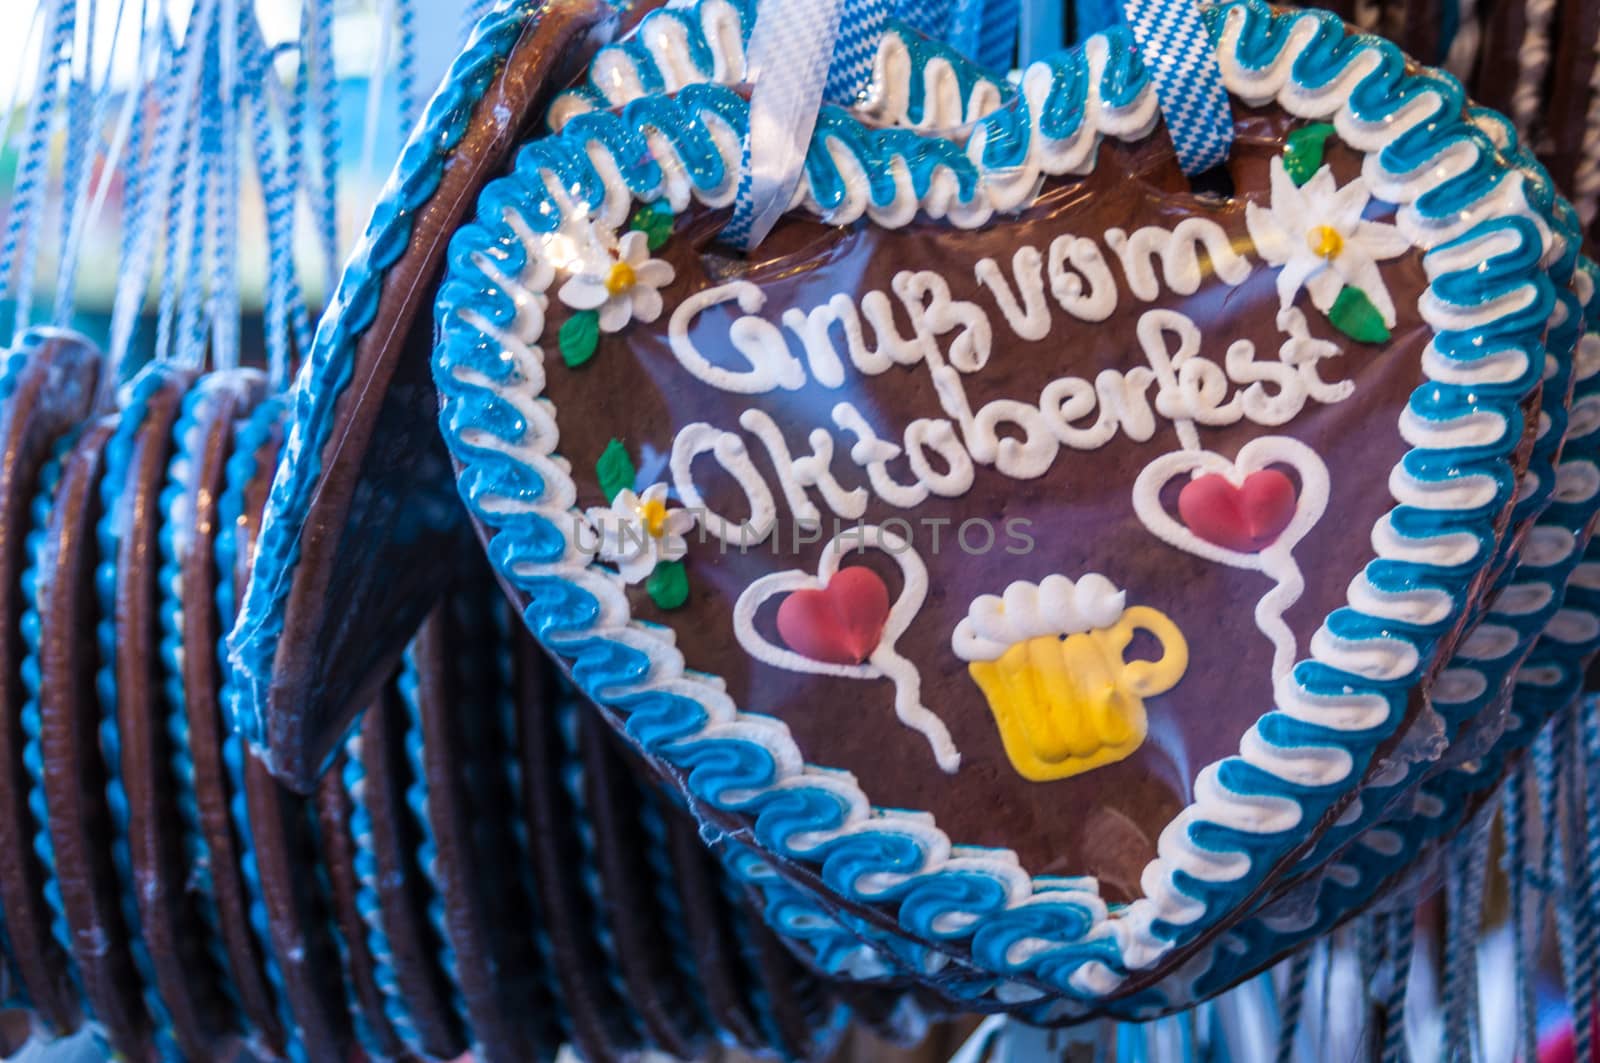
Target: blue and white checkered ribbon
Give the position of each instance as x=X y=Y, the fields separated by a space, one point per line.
x=1182 y=63
x=801 y=52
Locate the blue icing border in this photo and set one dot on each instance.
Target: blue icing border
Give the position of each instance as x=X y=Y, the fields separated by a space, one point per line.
x=1383 y=852
x=427 y=849
x=572 y=778
x=108 y=535
x=1480 y=214
x=670 y=903
x=366 y=1037
x=692 y=44
x=522 y=861
x=181 y=469
x=326 y=373
x=242 y=467
x=1563 y=256
x=38 y=547
x=368 y=903
x=1532 y=507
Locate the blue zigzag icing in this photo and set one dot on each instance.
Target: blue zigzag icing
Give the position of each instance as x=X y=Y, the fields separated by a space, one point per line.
x=38 y=549
x=1488 y=301
x=354 y=780
x=108 y=534
x=177 y=492
x=572 y=778
x=242 y=467
x=349 y=314
x=427 y=847
x=1380 y=856
x=917 y=81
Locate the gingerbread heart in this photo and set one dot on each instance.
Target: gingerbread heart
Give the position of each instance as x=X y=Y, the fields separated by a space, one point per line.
x=999 y=356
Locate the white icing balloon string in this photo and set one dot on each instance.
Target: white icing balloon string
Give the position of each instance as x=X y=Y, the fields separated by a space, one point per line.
x=1276 y=561
x=885 y=661
x=1279 y=564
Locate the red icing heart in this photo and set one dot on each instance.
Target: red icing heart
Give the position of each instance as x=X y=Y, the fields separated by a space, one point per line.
x=1247 y=518
x=841 y=623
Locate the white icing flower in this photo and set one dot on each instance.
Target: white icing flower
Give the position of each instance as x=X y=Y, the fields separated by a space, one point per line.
x=1317 y=235
x=622 y=287
x=638 y=532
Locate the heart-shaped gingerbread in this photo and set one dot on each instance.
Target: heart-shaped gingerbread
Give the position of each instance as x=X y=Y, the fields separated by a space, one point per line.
x=1002 y=352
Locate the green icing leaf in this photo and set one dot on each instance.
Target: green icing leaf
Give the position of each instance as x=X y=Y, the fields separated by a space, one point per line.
x=615 y=470
x=1354 y=315
x=656 y=224
x=668 y=585
x=579 y=336
x=1302 y=156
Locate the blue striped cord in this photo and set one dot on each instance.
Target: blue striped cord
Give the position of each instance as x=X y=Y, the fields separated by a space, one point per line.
x=199 y=203
x=85 y=120
x=226 y=306
x=288 y=325
x=1514 y=862
x=1474 y=858
x=176 y=160
x=931 y=18
x=1580 y=989
x=1587 y=750
x=14 y=105
x=1452 y=1032
x=997 y=34
x=405 y=70
x=138 y=228
x=1178 y=53
x=18 y=252
x=324 y=96
x=1549 y=753
x=1402 y=935
x=177 y=192
x=1294 y=999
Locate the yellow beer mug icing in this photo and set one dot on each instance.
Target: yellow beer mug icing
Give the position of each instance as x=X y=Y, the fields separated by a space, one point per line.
x=1051 y=660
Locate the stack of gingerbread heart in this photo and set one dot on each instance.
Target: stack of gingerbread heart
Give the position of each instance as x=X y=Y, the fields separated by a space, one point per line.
x=1033 y=579
x=482 y=868
x=1060 y=584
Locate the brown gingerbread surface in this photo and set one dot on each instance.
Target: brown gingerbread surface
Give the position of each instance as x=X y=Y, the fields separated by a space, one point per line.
x=1076 y=519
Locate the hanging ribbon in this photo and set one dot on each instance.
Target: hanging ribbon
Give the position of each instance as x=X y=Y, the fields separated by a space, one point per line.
x=801 y=52
x=1178 y=53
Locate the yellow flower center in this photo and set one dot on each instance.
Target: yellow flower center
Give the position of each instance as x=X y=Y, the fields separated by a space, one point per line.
x=1325 y=242
x=653 y=515
x=621 y=278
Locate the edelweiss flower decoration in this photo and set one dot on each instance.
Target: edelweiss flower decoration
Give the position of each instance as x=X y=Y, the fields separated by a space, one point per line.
x=639 y=532
x=621 y=286
x=1316 y=234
